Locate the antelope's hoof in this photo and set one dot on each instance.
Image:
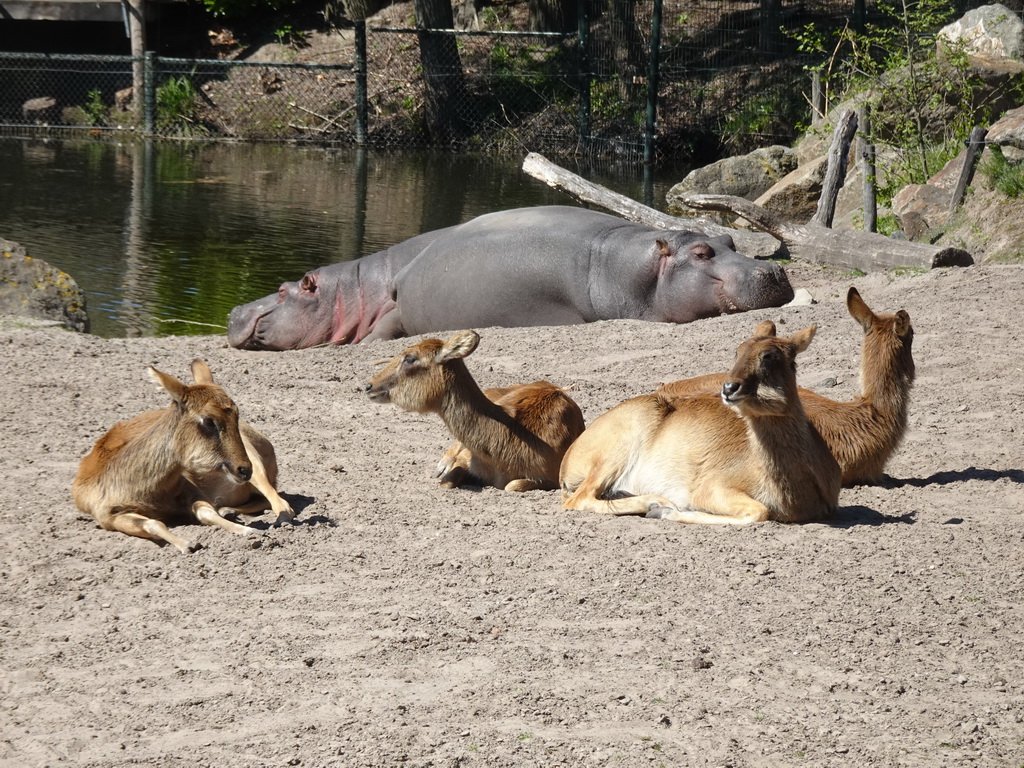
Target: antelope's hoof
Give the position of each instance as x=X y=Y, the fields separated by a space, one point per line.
x=658 y=511
x=284 y=516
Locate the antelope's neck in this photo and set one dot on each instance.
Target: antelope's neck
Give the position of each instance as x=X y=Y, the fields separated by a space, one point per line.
x=473 y=419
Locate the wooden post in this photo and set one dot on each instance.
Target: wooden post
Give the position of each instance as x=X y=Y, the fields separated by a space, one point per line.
x=835 y=173
x=361 y=95
x=974 y=145
x=866 y=151
x=136 y=13
x=817 y=98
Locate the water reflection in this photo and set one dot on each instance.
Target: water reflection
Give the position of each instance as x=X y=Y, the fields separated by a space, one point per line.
x=165 y=238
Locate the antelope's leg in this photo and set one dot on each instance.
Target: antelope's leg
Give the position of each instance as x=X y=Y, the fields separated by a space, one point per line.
x=134 y=524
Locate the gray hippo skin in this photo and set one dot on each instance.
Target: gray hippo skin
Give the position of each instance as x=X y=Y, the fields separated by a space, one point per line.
x=558 y=265
x=340 y=304
x=547 y=265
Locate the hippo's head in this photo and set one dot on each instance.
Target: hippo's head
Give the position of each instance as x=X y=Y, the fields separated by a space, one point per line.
x=700 y=276
x=301 y=314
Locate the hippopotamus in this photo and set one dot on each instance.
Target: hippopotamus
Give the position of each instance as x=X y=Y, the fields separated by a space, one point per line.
x=545 y=265
x=338 y=304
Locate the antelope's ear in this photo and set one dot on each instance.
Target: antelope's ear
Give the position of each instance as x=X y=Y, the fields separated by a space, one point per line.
x=858 y=310
x=201 y=372
x=802 y=339
x=168 y=384
x=902 y=323
x=765 y=330
x=459 y=345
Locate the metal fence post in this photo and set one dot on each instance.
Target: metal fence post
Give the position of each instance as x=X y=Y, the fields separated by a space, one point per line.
x=361 y=97
x=148 y=93
x=653 y=71
x=867 y=159
x=584 y=71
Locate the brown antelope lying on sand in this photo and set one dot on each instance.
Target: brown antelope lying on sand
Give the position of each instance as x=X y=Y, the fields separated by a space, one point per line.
x=866 y=431
x=510 y=437
x=195 y=457
x=744 y=456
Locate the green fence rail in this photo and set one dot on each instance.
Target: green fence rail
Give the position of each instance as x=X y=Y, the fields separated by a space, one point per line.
x=659 y=82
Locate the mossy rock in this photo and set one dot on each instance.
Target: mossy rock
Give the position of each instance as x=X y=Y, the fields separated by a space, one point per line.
x=35 y=290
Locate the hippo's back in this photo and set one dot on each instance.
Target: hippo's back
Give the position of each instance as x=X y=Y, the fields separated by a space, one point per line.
x=521 y=267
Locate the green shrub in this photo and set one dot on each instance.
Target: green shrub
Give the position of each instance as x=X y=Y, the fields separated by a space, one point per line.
x=1007 y=178
x=177 y=108
x=922 y=103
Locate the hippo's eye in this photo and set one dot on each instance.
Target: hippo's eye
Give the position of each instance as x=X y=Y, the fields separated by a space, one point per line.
x=702 y=252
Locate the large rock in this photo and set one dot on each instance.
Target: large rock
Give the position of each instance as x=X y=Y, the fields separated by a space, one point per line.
x=795 y=196
x=747 y=176
x=1008 y=133
x=991 y=30
x=921 y=208
x=32 y=289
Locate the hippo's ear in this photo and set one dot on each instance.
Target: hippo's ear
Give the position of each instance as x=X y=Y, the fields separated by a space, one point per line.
x=308 y=282
x=459 y=345
x=665 y=254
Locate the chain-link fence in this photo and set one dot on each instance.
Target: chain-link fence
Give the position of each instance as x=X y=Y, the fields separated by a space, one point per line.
x=719 y=73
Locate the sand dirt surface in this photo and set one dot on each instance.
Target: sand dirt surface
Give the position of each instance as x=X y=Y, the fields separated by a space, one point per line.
x=397 y=623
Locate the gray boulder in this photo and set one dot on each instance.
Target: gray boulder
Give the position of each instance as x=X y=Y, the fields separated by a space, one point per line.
x=1008 y=132
x=991 y=30
x=32 y=289
x=747 y=176
x=795 y=196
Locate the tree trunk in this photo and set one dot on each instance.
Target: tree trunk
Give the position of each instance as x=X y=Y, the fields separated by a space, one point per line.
x=755 y=244
x=448 y=105
x=852 y=249
x=553 y=15
x=770 y=34
x=847 y=248
x=629 y=48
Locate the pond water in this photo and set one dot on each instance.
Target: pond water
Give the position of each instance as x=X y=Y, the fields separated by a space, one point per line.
x=165 y=238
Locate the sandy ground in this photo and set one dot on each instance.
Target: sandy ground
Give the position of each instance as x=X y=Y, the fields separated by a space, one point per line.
x=400 y=624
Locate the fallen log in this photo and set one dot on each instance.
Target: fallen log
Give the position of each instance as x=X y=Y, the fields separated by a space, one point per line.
x=848 y=248
x=756 y=244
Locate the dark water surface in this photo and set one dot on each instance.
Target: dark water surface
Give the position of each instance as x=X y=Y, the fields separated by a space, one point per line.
x=165 y=238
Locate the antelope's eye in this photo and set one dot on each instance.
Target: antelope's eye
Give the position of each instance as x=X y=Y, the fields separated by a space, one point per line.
x=207 y=424
x=410 y=360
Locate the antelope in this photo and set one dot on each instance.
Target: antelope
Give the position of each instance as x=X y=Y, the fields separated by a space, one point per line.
x=864 y=432
x=509 y=437
x=744 y=456
x=192 y=460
